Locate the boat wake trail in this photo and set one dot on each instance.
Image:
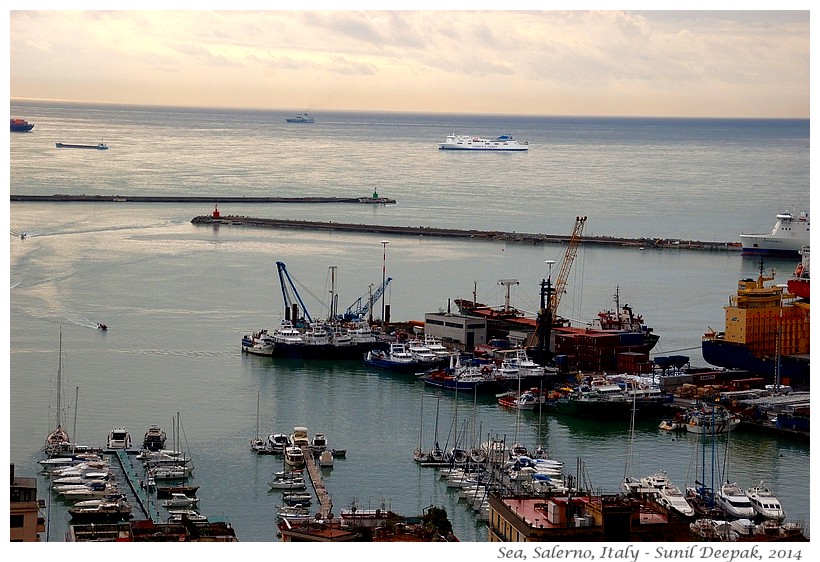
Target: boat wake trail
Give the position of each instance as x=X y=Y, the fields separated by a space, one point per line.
x=82 y=321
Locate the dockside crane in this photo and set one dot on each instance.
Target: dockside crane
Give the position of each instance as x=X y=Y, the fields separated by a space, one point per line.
x=551 y=296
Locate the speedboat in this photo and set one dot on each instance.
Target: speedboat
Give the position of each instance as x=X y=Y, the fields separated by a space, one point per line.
x=154 y=439
x=173 y=472
x=671 y=497
x=319 y=442
x=326 y=459
x=105 y=511
x=731 y=499
x=297 y=483
x=277 y=442
x=468 y=142
x=178 y=499
x=765 y=503
x=185 y=514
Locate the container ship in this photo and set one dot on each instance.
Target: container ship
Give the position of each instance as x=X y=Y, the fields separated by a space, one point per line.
x=766 y=333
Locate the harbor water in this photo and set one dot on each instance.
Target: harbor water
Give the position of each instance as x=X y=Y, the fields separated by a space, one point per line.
x=177 y=297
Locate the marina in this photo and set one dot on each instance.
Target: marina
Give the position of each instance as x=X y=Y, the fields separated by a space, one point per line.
x=178 y=298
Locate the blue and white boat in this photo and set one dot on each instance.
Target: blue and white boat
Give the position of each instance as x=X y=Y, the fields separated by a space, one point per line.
x=469 y=142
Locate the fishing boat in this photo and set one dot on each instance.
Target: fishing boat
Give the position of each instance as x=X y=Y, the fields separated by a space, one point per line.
x=766 y=333
x=258 y=343
x=20 y=125
x=469 y=142
x=397 y=359
x=303 y=118
x=98 y=146
x=765 y=503
x=790 y=233
x=710 y=419
x=527 y=400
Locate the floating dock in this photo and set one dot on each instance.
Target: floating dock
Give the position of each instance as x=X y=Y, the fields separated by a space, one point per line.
x=522 y=237
x=325 y=503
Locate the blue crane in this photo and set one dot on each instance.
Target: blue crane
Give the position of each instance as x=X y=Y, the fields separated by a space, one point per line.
x=286 y=298
x=361 y=307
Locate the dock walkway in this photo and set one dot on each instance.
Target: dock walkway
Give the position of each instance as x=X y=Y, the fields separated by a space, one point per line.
x=137 y=492
x=322 y=495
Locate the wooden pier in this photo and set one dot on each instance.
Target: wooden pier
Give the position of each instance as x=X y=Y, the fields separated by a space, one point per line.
x=322 y=495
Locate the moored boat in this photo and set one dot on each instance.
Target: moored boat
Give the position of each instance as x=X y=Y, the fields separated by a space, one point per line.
x=258 y=343
x=154 y=439
x=119 y=438
x=733 y=501
x=469 y=142
x=799 y=282
x=710 y=419
x=765 y=503
x=105 y=511
x=294 y=457
x=790 y=233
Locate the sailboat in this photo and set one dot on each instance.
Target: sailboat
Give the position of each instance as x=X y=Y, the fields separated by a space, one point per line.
x=259 y=445
x=420 y=455
x=58 y=442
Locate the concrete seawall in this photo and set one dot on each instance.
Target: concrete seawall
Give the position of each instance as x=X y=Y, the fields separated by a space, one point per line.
x=522 y=237
x=58 y=198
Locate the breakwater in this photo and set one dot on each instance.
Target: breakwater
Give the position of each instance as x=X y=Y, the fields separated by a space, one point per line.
x=82 y=198
x=522 y=237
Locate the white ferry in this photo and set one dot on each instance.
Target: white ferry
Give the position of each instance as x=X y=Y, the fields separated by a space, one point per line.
x=790 y=233
x=467 y=142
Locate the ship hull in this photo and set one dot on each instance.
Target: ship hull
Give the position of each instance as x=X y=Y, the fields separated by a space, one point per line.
x=354 y=351
x=794 y=370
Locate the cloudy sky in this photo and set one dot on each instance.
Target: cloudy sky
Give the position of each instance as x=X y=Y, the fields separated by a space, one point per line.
x=660 y=63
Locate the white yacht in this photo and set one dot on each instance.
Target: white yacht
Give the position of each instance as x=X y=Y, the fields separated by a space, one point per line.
x=790 y=233
x=765 y=503
x=731 y=499
x=468 y=142
x=119 y=438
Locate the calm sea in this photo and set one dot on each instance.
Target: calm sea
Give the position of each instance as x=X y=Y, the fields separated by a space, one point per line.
x=178 y=297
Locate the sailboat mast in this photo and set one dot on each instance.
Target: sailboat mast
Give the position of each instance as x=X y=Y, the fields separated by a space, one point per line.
x=74 y=431
x=60 y=379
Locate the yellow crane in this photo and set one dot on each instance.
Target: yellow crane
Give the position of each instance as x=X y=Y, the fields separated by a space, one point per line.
x=551 y=295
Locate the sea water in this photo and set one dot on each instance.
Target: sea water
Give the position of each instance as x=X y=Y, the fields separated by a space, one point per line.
x=178 y=297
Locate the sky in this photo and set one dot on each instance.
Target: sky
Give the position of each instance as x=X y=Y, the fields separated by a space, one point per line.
x=609 y=62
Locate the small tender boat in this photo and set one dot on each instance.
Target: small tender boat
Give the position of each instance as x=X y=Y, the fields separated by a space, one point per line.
x=765 y=503
x=98 y=146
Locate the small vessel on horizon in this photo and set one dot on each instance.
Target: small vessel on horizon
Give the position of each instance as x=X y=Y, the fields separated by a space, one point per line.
x=790 y=233
x=303 y=118
x=20 y=125
x=469 y=142
x=98 y=146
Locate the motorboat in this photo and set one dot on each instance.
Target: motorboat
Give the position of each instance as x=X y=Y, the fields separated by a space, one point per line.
x=734 y=501
x=277 y=442
x=292 y=511
x=171 y=472
x=294 y=457
x=89 y=492
x=671 y=497
x=297 y=496
x=186 y=515
x=104 y=511
x=299 y=437
x=297 y=483
x=765 y=503
x=326 y=459
x=97 y=501
x=790 y=233
x=178 y=499
x=319 y=442
x=163 y=457
x=164 y=492
x=84 y=478
x=303 y=118
x=119 y=438
x=397 y=358
x=154 y=439
x=469 y=142
x=258 y=343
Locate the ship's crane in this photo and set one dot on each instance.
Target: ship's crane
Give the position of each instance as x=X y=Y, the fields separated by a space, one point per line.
x=362 y=305
x=287 y=299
